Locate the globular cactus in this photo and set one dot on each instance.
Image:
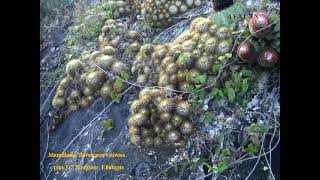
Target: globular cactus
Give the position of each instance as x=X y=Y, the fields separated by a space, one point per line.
x=191 y=54
x=158 y=120
x=161 y=13
x=87 y=80
x=73 y=67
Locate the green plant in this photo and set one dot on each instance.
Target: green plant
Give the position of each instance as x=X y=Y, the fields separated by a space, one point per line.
x=51 y=8
x=110 y=10
x=182 y=58
x=116 y=96
x=196 y=88
x=91 y=27
x=107 y=124
x=113 y=31
x=236 y=87
x=225 y=57
x=216 y=68
x=118 y=84
x=207 y=117
x=264 y=5
x=275 y=43
x=216 y=93
x=223 y=155
x=89 y=21
x=230 y=16
x=124 y=75
x=74 y=36
x=255 y=132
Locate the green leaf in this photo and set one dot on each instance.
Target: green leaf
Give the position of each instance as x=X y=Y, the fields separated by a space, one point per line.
x=228 y=55
x=201 y=79
x=245 y=34
x=207 y=117
x=216 y=68
x=244 y=103
x=263 y=128
x=257 y=128
x=116 y=96
x=118 y=83
x=217 y=150
x=108 y=124
x=252 y=148
x=188 y=77
x=214 y=92
x=221 y=58
x=124 y=75
x=220 y=93
x=255 y=138
x=214 y=167
x=245 y=73
x=225 y=153
x=231 y=94
x=165 y=173
x=222 y=166
x=198 y=86
x=193 y=166
x=182 y=58
x=209 y=166
x=221 y=138
x=225 y=91
x=236 y=77
x=228 y=84
x=245 y=85
x=277 y=27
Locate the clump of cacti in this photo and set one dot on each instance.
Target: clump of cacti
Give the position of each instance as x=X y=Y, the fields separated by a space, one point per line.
x=161 y=13
x=115 y=39
x=116 y=9
x=156 y=119
x=87 y=78
x=143 y=66
x=192 y=53
x=88 y=23
x=110 y=33
x=168 y=64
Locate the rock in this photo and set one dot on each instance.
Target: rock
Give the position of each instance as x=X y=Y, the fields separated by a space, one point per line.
x=141 y=169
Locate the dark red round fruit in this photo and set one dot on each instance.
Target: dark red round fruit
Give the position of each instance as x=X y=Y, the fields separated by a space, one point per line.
x=259 y=21
x=268 y=58
x=247 y=52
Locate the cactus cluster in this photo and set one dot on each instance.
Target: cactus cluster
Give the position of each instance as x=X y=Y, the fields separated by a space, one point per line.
x=110 y=33
x=116 y=8
x=85 y=81
x=114 y=40
x=156 y=119
x=143 y=66
x=192 y=53
x=89 y=23
x=137 y=6
x=161 y=13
